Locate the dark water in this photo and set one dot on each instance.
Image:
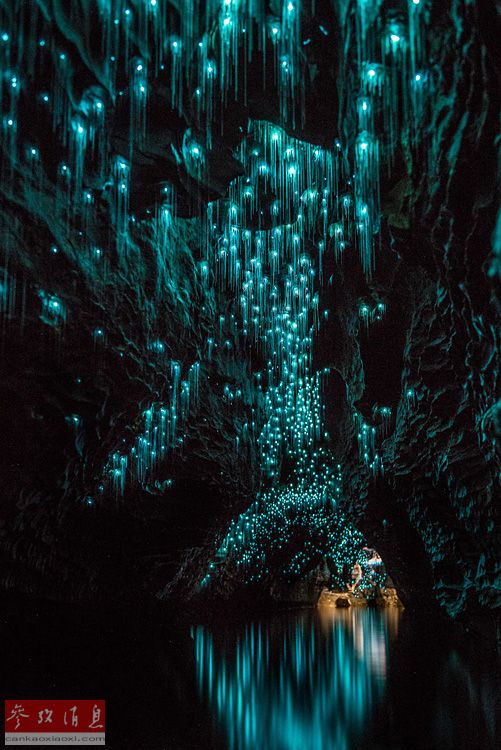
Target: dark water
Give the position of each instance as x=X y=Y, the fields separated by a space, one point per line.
x=327 y=680
x=301 y=682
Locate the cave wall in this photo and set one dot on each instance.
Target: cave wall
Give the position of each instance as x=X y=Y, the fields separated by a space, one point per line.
x=434 y=357
x=76 y=380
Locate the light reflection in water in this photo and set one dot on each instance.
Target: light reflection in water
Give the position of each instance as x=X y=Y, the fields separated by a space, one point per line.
x=308 y=682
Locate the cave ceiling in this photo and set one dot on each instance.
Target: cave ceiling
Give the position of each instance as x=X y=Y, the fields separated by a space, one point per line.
x=248 y=294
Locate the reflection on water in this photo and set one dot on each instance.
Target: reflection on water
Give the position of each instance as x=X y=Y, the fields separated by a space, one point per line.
x=328 y=680
x=308 y=681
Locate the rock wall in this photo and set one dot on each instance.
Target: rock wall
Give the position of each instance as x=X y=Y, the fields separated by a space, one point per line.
x=91 y=327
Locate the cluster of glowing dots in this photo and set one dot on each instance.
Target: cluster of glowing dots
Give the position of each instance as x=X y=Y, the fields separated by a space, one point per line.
x=306 y=507
x=268 y=532
x=367 y=439
x=274 y=278
x=371 y=313
x=270 y=257
x=163 y=430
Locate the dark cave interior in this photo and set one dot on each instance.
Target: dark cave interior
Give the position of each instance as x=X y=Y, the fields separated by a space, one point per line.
x=248 y=299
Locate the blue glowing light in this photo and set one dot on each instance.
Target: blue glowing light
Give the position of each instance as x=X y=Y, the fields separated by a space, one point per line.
x=310 y=682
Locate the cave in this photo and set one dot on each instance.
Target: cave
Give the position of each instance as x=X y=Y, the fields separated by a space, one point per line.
x=249 y=397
